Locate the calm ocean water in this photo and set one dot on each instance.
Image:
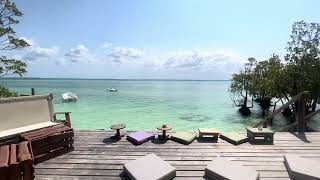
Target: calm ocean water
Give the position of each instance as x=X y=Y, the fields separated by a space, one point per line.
x=144 y=104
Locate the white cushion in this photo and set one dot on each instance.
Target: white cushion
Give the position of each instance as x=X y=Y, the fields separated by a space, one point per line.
x=302 y=168
x=223 y=169
x=11 y=132
x=149 y=167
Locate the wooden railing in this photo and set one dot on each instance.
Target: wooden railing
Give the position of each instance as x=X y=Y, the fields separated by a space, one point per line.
x=300 y=118
x=306 y=119
x=32 y=93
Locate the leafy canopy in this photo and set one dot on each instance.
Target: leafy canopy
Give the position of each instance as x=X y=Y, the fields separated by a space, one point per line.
x=11 y=66
x=241 y=82
x=9 y=15
x=8 y=39
x=300 y=72
x=266 y=78
x=303 y=59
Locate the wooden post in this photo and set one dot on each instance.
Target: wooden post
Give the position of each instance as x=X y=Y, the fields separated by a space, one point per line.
x=14 y=167
x=265 y=125
x=68 y=121
x=26 y=161
x=4 y=161
x=298 y=109
x=33 y=92
x=301 y=114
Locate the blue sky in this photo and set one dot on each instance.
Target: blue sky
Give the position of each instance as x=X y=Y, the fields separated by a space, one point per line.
x=159 y=39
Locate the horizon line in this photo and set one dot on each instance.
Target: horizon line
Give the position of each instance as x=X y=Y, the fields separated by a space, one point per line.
x=146 y=79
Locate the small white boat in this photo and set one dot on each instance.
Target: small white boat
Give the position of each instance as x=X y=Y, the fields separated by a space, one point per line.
x=112 y=90
x=69 y=97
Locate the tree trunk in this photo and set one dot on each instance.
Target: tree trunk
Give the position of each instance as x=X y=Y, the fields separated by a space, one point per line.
x=263 y=112
x=246 y=99
x=274 y=106
x=245 y=110
x=314 y=105
x=265 y=103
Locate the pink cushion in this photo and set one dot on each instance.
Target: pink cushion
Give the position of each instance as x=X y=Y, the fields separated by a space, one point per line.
x=139 y=137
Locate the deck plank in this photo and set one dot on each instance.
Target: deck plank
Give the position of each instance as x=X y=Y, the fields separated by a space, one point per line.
x=97 y=157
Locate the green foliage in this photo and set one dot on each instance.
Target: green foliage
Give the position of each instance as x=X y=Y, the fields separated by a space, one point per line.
x=241 y=82
x=12 y=66
x=266 y=78
x=4 y=92
x=8 y=41
x=300 y=72
x=238 y=84
x=303 y=59
x=8 y=17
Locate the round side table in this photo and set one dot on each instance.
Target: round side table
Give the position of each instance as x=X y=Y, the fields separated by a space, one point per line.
x=117 y=127
x=164 y=129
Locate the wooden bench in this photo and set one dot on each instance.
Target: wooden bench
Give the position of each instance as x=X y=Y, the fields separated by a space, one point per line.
x=16 y=162
x=33 y=119
x=50 y=142
x=24 y=114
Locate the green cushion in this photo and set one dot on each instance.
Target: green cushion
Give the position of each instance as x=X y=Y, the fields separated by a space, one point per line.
x=183 y=137
x=234 y=138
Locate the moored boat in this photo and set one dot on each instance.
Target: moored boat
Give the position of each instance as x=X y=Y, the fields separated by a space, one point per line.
x=69 y=97
x=112 y=90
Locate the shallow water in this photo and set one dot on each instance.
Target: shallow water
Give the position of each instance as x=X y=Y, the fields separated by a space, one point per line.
x=144 y=104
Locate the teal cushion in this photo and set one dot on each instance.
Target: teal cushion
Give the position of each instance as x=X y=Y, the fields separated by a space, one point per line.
x=183 y=137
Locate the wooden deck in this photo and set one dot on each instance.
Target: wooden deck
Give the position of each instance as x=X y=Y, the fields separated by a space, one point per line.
x=96 y=157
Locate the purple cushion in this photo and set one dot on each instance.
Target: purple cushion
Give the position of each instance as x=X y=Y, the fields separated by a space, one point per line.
x=139 y=137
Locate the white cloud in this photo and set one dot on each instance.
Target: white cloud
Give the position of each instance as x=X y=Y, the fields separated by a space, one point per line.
x=195 y=59
x=120 y=54
x=151 y=64
x=79 y=54
x=154 y=63
x=200 y=64
x=204 y=60
x=107 y=45
x=36 y=53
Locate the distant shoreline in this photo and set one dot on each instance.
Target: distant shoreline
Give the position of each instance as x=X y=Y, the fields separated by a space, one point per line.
x=33 y=78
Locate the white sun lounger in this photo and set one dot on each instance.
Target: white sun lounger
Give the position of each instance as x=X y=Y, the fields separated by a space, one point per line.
x=149 y=167
x=300 y=168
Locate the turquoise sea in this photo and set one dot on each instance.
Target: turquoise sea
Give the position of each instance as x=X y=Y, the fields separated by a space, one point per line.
x=144 y=104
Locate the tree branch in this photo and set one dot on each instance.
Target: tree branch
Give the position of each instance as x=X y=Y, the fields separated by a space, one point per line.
x=6 y=74
x=251 y=103
x=2 y=10
x=6 y=39
x=232 y=99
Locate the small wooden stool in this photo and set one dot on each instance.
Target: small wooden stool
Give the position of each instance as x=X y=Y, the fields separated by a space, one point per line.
x=209 y=132
x=255 y=133
x=164 y=128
